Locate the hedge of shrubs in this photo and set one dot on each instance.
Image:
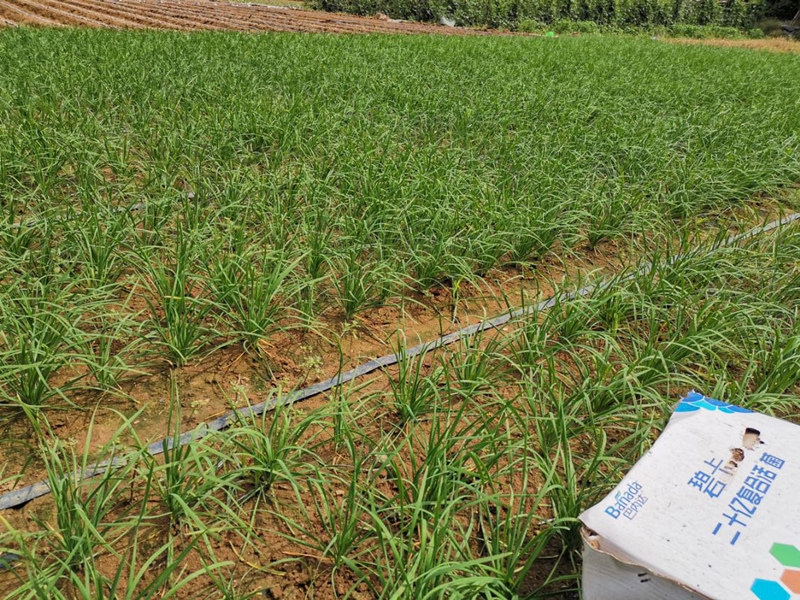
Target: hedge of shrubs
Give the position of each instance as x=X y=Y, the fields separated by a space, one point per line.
x=622 y=14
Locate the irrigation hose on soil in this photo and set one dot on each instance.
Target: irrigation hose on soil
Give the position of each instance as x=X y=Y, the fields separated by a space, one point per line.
x=18 y=498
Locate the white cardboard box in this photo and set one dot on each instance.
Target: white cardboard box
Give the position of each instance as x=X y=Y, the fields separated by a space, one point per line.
x=712 y=510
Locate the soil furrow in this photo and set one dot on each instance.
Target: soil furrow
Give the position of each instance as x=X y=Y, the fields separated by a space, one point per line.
x=59 y=14
x=223 y=21
x=256 y=22
x=307 y=22
x=283 y=20
x=156 y=11
x=130 y=15
x=243 y=19
x=104 y=18
x=20 y=15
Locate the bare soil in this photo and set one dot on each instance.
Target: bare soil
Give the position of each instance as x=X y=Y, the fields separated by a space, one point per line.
x=188 y=15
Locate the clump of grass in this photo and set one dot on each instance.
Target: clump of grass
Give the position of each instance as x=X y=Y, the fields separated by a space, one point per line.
x=178 y=310
x=267 y=450
x=412 y=393
x=476 y=365
x=190 y=475
x=42 y=335
x=361 y=283
x=97 y=243
x=253 y=291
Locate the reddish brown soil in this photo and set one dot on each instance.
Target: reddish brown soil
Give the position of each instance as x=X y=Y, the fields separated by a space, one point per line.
x=190 y=15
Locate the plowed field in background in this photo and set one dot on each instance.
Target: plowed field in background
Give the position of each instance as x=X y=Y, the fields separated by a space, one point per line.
x=189 y=15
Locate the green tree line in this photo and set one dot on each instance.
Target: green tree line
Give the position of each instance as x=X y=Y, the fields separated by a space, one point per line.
x=742 y=14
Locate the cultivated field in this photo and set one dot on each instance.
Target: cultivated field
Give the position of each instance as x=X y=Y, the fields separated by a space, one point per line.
x=196 y=223
x=191 y=15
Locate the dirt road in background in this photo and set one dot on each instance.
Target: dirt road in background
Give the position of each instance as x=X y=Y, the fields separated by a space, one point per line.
x=771 y=44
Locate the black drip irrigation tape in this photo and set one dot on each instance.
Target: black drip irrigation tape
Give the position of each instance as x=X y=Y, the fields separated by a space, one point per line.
x=22 y=496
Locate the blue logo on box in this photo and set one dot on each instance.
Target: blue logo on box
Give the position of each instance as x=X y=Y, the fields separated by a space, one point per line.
x=694 y=402
x=627 y=502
